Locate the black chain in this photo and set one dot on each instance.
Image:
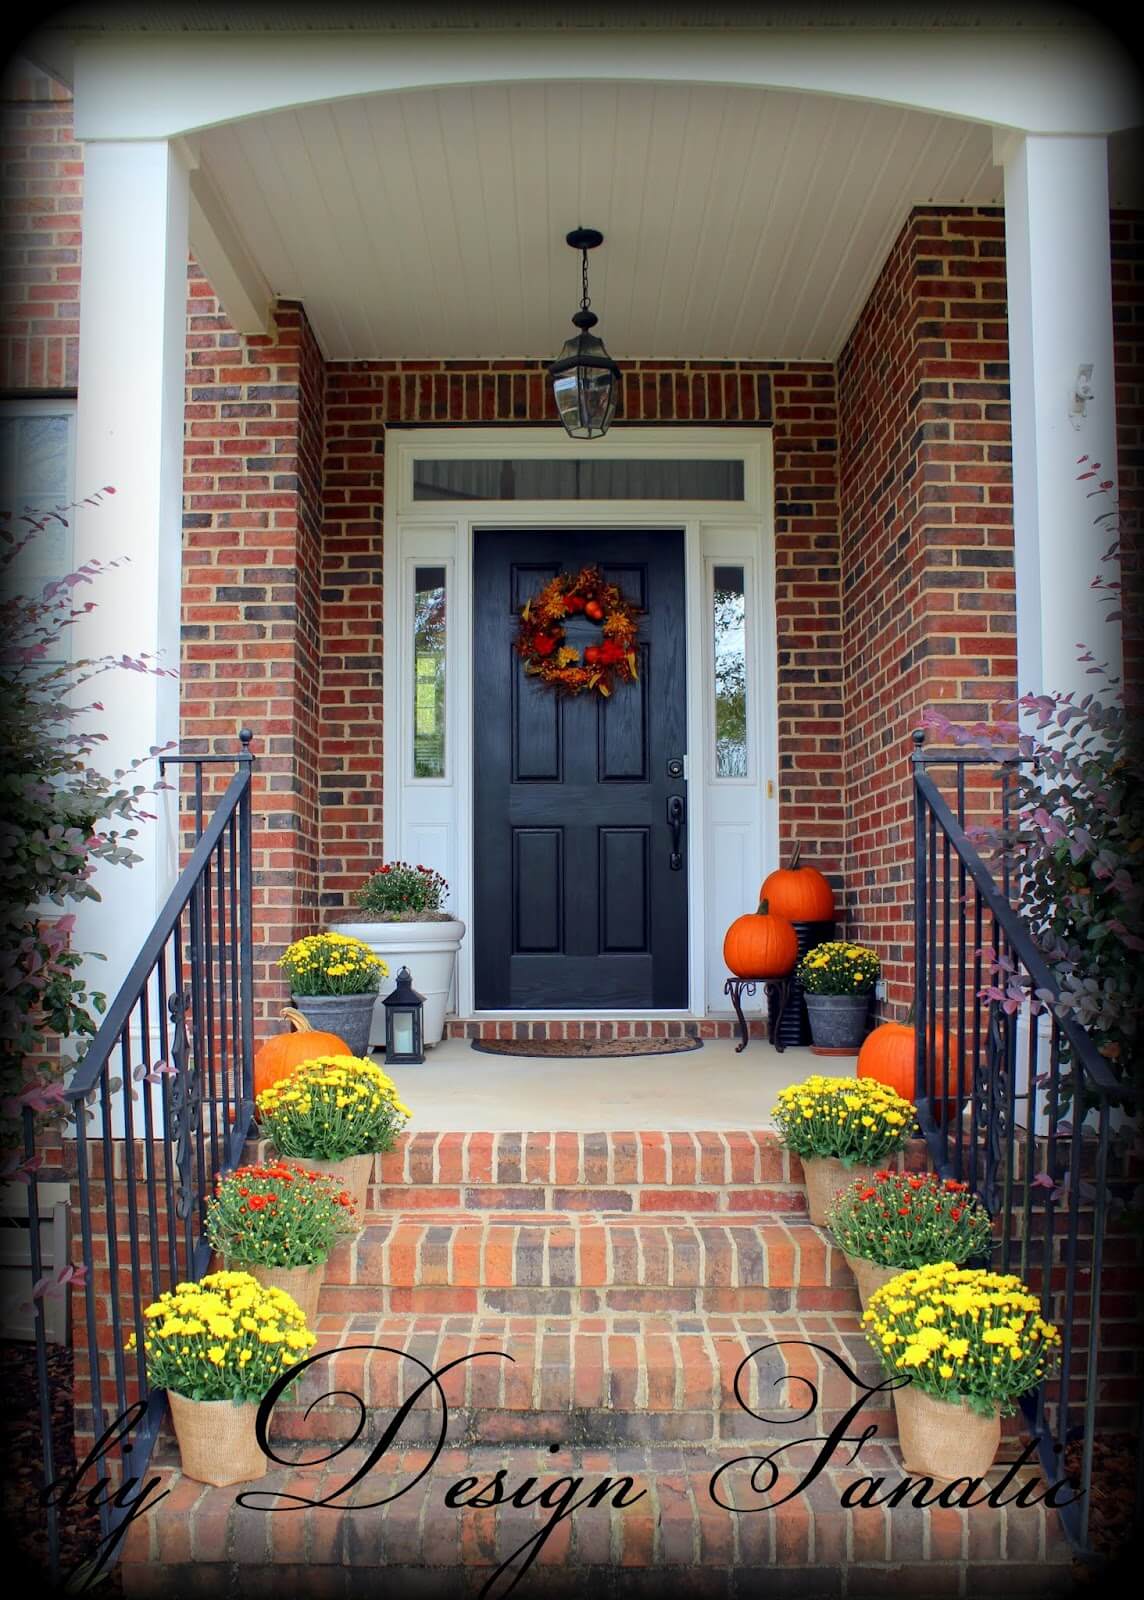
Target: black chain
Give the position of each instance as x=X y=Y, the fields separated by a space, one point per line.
x=585 y=302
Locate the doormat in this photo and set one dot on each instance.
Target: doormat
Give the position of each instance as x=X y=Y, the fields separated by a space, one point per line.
x=585 y=1047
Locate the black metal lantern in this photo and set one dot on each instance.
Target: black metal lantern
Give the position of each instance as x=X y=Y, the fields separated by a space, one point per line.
x=404 y=1023
x=585 y=379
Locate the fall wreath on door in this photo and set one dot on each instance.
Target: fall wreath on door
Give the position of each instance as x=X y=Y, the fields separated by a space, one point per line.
x=542 y=640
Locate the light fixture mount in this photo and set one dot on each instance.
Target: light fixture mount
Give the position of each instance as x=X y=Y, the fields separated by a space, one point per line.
x=584 y=238
x=585 y=380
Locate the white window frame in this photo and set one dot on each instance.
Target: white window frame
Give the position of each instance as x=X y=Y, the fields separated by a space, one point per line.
x=63 y=405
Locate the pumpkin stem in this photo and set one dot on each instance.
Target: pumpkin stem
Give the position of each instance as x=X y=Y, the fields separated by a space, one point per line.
x=762 y=911
x=795 y=856
x=296 y=1020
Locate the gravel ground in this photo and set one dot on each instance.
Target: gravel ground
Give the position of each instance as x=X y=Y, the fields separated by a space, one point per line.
x=25 y=1524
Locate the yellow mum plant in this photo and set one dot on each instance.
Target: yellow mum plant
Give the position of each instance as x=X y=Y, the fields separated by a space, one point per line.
x=838 y=967
x=962 y=1334
x=859 y=1120
x=332 y=1107
x=332 y=963
x=224 y=1338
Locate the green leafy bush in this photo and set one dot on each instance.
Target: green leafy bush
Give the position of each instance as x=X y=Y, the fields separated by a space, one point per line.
x=398 y=891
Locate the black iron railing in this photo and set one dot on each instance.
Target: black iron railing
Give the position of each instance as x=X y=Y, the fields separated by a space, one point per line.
x=161 y=1102
x=1017 y=1101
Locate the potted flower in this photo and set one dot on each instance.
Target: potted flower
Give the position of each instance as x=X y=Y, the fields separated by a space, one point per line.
x=972 y=1343
x=841 y=1129
x=216 y=1347
x=333 y=1115
x=837 y=981
x=898 y=1220
x=334 y=981
x=401 y=917
x=278 y=1223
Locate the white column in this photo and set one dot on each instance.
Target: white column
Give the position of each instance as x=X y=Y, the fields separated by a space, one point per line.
x=1060 y=321
x=133 y=298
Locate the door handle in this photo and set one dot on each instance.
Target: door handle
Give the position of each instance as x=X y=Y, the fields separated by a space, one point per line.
x=675 y=815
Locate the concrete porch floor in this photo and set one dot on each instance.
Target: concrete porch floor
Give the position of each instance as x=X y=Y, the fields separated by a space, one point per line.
x=459 y=1088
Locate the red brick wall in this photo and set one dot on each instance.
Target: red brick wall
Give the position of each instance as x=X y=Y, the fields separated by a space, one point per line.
x=926 y=537
x=365 y=397
x=251 y=596
x=39 y=251
x=925 y=486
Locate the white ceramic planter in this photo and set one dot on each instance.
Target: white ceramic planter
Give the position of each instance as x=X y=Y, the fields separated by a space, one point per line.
x=429 y=950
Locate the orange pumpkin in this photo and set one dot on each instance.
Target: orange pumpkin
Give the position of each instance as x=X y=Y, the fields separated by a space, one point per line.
x=278 y=1057
x=800 y=894
x=760 y=945
x=888 y=1055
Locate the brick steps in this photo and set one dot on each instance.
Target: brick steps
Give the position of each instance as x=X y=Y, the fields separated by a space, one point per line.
x=585 y=1380
x=648 y=1305
x=393 y=1532
x=623 y=1161
x=559 y=1263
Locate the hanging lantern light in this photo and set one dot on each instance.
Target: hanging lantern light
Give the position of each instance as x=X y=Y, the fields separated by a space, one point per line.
x=585 y=379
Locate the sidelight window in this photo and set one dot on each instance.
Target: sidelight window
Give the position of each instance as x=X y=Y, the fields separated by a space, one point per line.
x=729 y=616
x=429 y=622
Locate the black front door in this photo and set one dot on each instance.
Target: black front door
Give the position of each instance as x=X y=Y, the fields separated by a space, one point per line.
x=580 y=876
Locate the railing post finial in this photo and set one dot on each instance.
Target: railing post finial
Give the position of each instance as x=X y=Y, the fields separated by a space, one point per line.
x=245 y=735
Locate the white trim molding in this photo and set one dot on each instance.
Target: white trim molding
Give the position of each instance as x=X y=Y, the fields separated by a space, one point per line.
x=1045 y=81
x=431 y=820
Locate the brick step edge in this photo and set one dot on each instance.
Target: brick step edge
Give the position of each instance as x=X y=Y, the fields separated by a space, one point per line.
x=576 y=1301
x=475 y=1161
x=638 y=1199
x=561 y=1384
x=675 y=1533
x=591 y=1251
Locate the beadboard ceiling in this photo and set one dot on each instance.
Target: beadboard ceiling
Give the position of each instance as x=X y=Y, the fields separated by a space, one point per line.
x=737 y=223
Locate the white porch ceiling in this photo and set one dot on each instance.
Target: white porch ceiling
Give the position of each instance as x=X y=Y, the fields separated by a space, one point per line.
x=738 y=223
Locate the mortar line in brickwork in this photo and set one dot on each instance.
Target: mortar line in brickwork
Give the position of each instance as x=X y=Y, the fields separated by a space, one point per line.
x=466 y=1144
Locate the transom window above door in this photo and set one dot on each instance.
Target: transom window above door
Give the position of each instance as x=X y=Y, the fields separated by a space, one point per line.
x=535 y=478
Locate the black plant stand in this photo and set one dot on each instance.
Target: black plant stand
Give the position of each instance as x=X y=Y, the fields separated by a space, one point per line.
x=788 y=1023
x=777 y=991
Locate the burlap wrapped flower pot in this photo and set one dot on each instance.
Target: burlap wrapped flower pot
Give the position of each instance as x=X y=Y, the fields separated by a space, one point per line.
x=825 y=1177
x=216 y=1439
x=302 y=1284
x=869 y=1275
x=351 y=1173
x=944 y=1439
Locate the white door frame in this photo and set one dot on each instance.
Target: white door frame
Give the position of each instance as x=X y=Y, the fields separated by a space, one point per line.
x=431 y=820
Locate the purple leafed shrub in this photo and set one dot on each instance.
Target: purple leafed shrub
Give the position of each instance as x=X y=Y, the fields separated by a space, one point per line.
x=59 y=818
